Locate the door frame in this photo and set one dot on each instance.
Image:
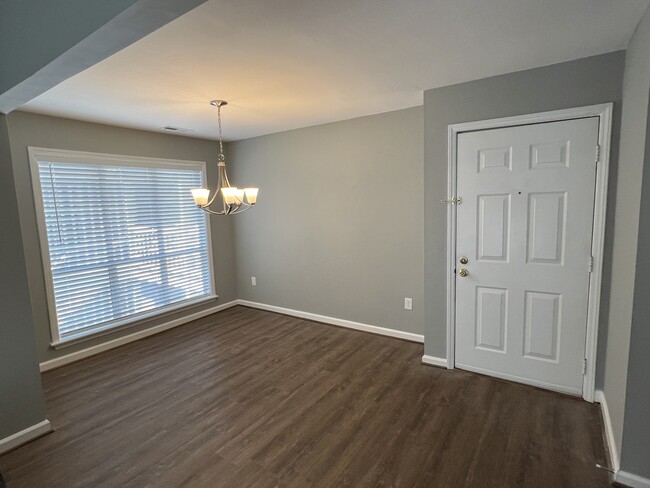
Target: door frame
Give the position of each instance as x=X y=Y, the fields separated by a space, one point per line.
x=604 y=113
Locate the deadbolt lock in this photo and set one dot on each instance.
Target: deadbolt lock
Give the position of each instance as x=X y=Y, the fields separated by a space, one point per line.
x=463 y=272
x=463 y=260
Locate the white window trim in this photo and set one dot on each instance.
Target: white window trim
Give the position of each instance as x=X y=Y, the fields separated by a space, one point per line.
x=37 y=154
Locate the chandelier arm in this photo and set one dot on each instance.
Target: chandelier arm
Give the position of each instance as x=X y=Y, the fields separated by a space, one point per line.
x=230 y=209
x=241 y=210
x=216 y=192
x=224 y=205
x=207 y=210
x=212 y=199
x=225 y=181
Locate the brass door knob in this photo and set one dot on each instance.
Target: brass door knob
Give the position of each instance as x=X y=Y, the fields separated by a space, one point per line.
x=463 y=272
x=464 y=260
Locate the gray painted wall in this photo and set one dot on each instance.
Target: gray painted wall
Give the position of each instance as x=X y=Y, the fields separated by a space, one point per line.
x=635 y=454
x=21 y=395
x=338 y=230
x=34 y=33
x=624 y=227
x=586 y=81
x=27 y=129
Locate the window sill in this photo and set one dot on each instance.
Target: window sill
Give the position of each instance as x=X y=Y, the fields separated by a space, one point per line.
x=140 y=319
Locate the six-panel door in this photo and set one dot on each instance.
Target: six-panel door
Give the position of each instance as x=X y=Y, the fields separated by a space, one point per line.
x=525 y=227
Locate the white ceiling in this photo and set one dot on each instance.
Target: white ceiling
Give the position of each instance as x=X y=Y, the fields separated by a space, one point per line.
x=284 y=64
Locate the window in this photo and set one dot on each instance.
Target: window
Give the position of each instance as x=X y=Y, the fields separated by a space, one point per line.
x=121 y=238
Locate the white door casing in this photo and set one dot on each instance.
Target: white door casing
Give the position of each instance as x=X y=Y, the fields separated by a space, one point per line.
x=526 y=224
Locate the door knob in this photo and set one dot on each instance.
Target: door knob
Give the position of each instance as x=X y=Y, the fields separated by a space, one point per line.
x=463 y=272
x=463 y=260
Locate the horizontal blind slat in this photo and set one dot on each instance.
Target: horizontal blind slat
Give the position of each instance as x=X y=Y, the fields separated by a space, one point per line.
x=64 y=286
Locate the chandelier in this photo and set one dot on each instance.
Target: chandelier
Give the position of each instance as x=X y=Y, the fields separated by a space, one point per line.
x=232 y=198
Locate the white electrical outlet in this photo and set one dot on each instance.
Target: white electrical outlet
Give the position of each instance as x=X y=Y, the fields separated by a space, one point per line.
x=253 y=281
x=408 y=304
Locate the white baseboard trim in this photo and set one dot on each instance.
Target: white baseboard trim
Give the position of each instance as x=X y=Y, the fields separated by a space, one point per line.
x=614 y=460
x=120 y=341
x=24 y=436
x=632 y=480
x=434 y=361
x=409 y=336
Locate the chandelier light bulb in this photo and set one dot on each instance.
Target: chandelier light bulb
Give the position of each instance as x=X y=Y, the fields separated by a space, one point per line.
x=229 y=195
x=251 y=195
x=201 y=196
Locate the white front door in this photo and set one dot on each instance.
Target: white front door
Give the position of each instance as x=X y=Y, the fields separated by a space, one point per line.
x=525 y=228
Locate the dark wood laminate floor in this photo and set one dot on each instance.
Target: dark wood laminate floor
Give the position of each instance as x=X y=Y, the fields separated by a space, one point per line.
x=251 y=398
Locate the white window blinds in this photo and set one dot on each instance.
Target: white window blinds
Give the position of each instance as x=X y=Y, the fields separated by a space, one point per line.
x=124 y=241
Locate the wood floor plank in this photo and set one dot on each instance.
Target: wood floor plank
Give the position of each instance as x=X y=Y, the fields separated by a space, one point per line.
x=248 y=398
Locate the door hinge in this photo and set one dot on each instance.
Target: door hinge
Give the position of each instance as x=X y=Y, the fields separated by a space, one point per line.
x=584 y=366
x=597 y=153
x=590 y=264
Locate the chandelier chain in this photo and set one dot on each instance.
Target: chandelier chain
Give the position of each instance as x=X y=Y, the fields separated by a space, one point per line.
x=221 y=156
